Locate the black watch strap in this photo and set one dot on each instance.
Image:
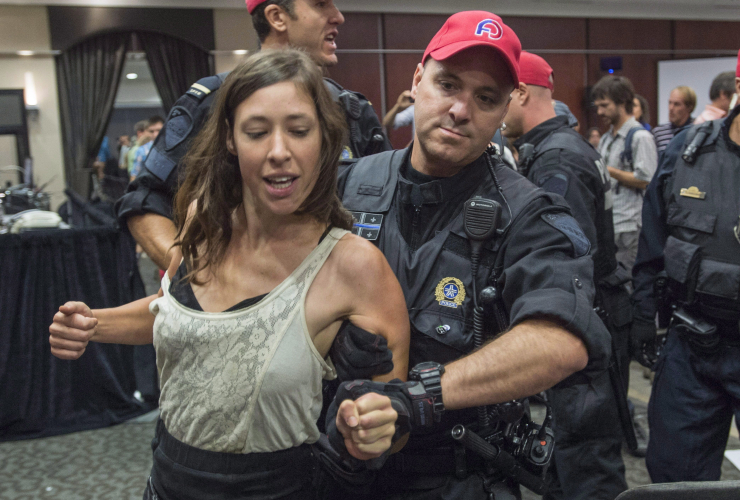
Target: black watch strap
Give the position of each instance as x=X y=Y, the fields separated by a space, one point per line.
x=430 y=376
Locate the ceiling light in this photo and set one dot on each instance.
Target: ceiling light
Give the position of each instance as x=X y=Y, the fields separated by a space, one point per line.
x=25 y=52
x=132 y=76
x=241 y=52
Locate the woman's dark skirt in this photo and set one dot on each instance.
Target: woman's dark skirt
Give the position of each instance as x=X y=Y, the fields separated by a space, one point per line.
x=182 y=472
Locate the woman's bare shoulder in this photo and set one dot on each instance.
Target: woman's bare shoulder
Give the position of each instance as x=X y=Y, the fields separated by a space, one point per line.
x=354 y=254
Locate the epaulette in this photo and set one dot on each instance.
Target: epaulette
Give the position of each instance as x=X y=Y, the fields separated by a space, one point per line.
x=205 y=86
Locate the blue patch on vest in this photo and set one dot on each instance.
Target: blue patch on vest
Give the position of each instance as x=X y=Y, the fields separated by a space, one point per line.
x=178 y=127
x=159 y=164
x=570 y=228
x=557 y=184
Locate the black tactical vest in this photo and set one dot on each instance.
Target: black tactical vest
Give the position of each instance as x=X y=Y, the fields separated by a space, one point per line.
x=567 y=139
x=702 y=252
x=437 y=278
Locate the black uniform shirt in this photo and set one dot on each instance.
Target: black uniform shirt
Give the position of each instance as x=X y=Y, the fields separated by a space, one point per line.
x=579 y=180
x=429 y=203
x=546 y=270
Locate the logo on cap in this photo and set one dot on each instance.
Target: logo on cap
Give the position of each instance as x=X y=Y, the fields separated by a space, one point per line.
x=493 y=28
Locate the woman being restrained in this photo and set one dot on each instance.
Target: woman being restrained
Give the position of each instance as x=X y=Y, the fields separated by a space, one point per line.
x=263 y=274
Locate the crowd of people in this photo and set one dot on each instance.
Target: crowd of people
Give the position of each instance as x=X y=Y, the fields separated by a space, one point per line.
x=442 y=285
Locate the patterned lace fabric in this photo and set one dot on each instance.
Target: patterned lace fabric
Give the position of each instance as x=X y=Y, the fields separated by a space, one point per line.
x=243 y=381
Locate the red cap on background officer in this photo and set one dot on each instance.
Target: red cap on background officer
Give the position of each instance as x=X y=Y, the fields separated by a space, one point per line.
x=533 y=70
x=252 y=4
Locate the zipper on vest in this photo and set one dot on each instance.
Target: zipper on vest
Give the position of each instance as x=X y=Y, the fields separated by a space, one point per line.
x=415 y=228
x=417 y=199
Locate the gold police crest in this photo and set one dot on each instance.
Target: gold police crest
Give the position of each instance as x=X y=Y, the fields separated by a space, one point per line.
x=450 y=292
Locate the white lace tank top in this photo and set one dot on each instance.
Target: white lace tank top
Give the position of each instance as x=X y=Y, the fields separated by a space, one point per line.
x=243 y=381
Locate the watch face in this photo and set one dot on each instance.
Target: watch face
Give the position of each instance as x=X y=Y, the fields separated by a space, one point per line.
x=427 y=366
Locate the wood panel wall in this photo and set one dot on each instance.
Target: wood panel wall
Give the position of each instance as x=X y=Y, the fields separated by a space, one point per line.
x=572 y=46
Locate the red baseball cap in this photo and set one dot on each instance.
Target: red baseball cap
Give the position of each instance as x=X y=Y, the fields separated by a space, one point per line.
x=533 y=70
x=472 y=29
x=252 y=4
x=737 y=70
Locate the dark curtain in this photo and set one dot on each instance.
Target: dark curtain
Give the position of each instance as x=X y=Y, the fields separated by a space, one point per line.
x=175 y=64
x=88 y=75
x=41 y=395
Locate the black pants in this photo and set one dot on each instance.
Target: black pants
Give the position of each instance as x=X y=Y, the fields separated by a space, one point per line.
x=587 y=461
x=691 y=406
x=182 y=472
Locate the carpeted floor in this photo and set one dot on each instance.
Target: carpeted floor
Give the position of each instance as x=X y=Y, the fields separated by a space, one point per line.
x=104 y=464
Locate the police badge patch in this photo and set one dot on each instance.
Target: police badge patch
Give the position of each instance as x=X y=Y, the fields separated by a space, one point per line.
x=450 y=292
x=347 y=153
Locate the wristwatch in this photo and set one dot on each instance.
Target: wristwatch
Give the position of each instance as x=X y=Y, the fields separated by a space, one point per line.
x=429 y=374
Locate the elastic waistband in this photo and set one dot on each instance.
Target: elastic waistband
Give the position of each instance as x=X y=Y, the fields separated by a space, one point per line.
x=226 y=463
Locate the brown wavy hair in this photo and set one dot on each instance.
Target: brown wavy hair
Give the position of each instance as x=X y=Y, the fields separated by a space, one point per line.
x=211 y=173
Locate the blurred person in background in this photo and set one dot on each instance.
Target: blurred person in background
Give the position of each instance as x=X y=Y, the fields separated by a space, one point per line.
x=594 y=136
x=141 y=139
x=641 y=111
x=614 y=99
x=681 y=104
x=562 y=109
x=720 y=93
x=153 y=126
x=124 y=145
x=401 y=114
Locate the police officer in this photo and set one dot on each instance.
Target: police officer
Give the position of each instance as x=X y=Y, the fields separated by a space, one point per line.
x=312 y=26
x=689 y=248
x=588 y=458
x=533 y=276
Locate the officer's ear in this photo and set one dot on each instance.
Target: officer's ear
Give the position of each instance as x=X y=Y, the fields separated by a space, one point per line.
x=737 y=85
x=417 y=78
x=521 y=94
x=277 y=18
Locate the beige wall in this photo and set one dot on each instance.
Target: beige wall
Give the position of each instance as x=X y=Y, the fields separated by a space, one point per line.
x=27 y=28
x=234 y=31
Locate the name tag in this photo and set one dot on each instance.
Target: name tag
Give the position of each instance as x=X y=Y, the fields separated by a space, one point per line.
x=693 y=192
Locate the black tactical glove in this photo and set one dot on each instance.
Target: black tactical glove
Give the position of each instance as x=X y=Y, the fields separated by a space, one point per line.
x=643 y=337
x=409 y=399
x=359 y=354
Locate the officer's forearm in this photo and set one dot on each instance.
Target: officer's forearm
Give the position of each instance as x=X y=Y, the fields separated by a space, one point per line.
x=532 y=357
x=156 y=235
x=627 y=178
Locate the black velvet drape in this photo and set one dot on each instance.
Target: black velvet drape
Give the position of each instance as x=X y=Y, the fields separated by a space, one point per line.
x=41 y=395
x=88 y=75
x=175 y=65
